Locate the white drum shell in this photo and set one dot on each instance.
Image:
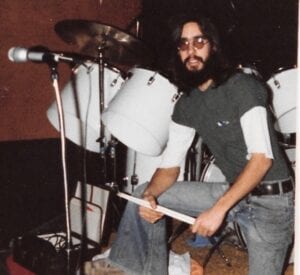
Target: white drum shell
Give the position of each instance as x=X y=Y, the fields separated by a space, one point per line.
x=144 y=167
x=140 y=114
x=80 y=99
x=212 y=173
x=284 y=89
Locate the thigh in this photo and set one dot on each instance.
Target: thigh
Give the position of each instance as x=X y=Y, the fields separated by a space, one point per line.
x=267 y=223
x=273 y=218
x=191 y=198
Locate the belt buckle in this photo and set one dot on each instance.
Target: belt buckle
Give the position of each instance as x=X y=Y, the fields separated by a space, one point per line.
x=272 y=189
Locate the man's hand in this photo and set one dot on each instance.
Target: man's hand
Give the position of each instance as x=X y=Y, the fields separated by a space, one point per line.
x=150 y=215
x=208 y=222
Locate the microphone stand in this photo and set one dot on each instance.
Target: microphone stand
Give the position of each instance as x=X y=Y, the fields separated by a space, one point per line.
x=54 y=77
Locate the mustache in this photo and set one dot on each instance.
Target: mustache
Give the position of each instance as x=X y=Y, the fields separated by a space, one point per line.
x=194 y=57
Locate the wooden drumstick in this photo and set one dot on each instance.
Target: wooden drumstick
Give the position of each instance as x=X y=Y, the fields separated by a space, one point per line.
x=164 y=210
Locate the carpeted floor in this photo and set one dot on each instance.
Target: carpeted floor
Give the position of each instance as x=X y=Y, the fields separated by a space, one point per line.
x=216 y=265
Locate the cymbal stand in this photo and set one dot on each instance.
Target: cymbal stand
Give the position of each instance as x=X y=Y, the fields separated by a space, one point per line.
x=134 y=180
x=54 y=77
x=104 y=179
x=102 y=140
x=107 y=181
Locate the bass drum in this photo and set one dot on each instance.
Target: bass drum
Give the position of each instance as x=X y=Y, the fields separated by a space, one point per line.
x=212 y=173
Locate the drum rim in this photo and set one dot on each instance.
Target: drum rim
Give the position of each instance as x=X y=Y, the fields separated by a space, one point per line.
x=90 y=64
x=211 y=161
x=282 y=70
x=156 y=71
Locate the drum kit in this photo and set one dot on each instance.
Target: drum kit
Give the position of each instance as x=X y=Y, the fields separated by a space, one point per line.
x=134 y=106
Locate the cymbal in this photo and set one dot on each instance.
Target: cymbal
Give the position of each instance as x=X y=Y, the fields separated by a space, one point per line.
x=118 y=46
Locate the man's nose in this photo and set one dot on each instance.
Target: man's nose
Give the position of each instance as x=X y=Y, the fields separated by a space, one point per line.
x=191 y=48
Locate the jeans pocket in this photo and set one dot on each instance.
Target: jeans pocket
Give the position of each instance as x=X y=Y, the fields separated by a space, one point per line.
x=273 y=218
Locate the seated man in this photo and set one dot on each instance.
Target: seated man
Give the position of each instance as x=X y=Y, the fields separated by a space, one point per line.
x=229 y=110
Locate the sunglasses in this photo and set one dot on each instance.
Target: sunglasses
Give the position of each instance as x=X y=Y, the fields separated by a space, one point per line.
x=197 y=42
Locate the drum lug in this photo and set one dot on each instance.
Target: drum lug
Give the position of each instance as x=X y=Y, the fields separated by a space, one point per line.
x=151 y=79
x=128 y=76
x=115 y=81
x=276 y=82
x=176 y=96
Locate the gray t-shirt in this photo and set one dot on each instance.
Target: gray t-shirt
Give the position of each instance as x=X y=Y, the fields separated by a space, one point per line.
x=215 y=115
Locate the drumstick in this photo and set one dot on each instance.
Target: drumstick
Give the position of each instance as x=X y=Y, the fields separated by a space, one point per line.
x=164 y=210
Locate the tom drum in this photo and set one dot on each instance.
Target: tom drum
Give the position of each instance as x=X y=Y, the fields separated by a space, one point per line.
x=80 y=99
x=284 y=88
x=139 y=115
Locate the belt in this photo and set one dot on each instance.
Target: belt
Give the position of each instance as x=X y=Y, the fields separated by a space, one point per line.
x=274 y=188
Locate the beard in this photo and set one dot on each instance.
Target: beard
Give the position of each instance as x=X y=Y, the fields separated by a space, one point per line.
x=194 y=78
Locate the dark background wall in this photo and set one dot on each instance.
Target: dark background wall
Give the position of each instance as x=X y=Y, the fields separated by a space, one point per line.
x=25 y=89
x=254 y=32
x=30 y=161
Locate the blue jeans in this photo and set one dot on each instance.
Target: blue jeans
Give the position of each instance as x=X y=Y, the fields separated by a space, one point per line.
x=267 y=223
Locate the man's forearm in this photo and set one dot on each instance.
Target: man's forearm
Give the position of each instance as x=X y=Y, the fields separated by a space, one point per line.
x=161 y=180
x=249 y=178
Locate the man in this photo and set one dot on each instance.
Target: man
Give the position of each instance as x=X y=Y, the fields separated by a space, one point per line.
x=230 y=113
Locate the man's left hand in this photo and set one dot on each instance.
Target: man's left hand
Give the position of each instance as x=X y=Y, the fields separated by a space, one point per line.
x=208 y=222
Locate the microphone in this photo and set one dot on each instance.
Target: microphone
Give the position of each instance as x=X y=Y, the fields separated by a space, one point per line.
x=42 y=54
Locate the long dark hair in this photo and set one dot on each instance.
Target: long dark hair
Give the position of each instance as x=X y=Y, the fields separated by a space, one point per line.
x=220 y=67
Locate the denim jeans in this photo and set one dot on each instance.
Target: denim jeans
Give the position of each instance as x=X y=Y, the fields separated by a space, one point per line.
x=266 y=222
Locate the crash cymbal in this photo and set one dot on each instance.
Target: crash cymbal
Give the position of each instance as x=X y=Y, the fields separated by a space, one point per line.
x=119 y=47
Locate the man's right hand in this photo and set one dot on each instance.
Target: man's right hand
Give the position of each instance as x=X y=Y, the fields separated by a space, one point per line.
x=150 y=215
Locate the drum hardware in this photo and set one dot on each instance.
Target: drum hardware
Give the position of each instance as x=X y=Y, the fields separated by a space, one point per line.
x=102 y=142
x=115 y=81
x=134 y=179
x=287 y=140
x=177 y=96
x=111 y=177
x=276 y=82
x=151 y=79
x=250 y=68
x=193 y=159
